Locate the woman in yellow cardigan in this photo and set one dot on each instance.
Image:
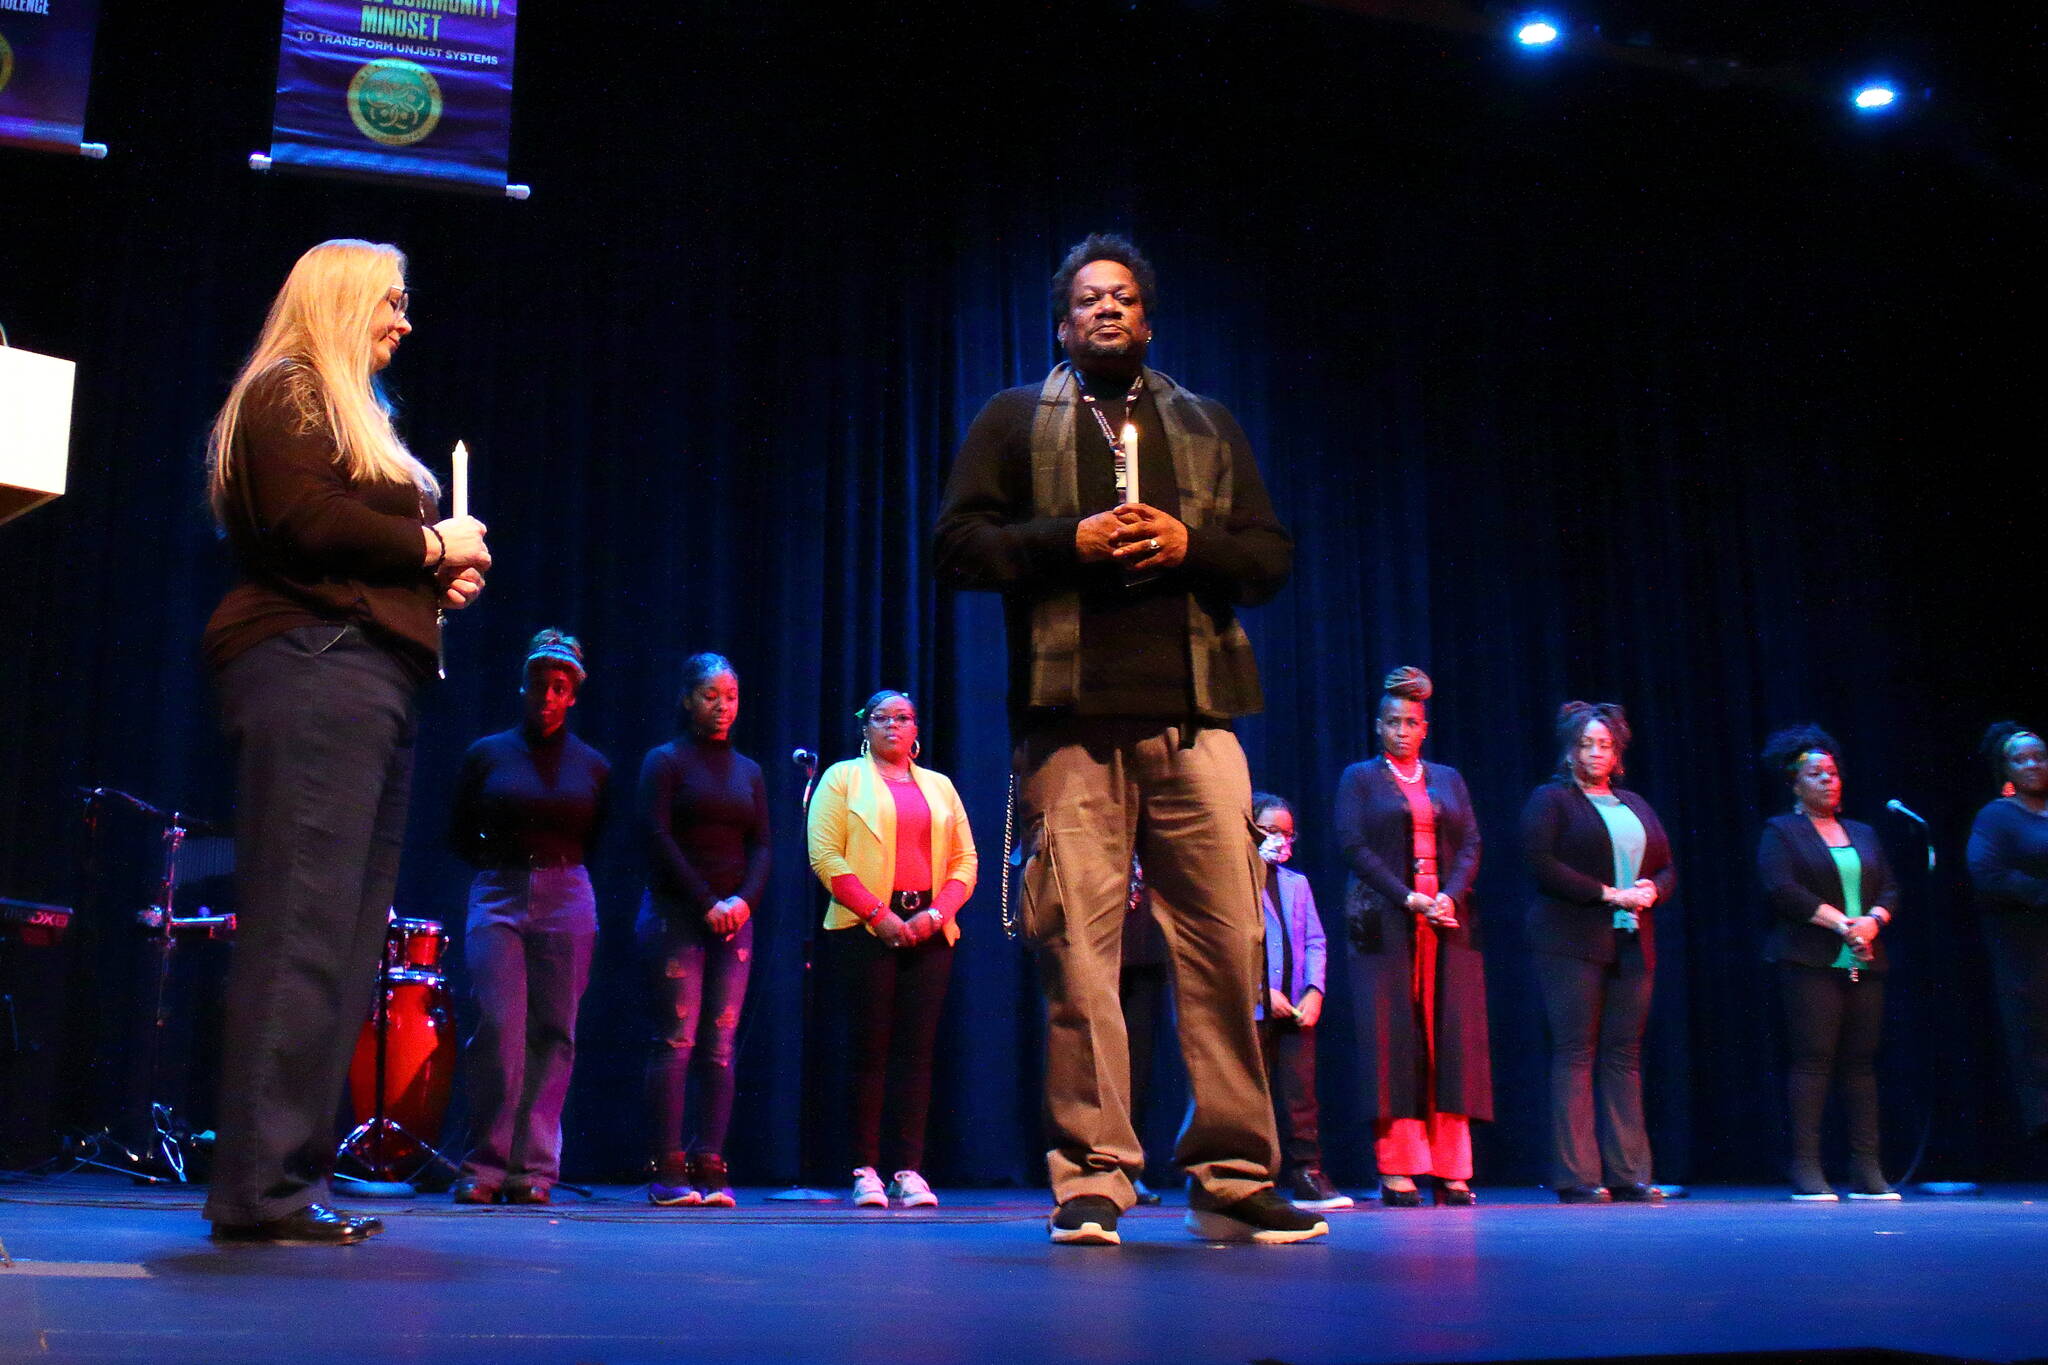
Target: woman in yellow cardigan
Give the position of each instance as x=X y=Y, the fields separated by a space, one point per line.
x=891 y=841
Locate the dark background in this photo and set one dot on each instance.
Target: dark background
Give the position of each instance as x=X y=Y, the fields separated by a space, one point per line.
x=1572 y=378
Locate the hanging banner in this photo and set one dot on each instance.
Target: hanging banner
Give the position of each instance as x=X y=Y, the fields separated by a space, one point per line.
x=404 y=89
x=46 y=71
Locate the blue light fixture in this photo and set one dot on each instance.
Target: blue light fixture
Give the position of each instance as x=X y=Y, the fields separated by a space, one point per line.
x=1875 y=97
x=1536 y=30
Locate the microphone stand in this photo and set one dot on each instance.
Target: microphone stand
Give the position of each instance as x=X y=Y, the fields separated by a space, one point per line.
x=799 y=1193
x=1933 y=1187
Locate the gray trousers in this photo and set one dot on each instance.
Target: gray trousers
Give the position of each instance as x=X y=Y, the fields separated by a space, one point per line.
x=1089 y=792
x=528 y=945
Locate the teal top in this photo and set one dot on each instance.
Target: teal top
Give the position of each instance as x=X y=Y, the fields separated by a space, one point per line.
x=1851 y=868
x=1625 y=831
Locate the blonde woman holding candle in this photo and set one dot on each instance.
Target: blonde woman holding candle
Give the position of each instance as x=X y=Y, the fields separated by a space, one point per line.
x=316 y=652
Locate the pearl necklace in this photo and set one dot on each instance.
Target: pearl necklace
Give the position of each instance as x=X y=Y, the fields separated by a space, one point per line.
x=1411 y=781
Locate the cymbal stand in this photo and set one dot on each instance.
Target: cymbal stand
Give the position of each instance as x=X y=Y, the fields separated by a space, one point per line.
x=164 y=1138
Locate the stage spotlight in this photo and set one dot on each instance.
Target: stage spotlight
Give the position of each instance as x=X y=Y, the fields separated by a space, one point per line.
x=1873 y=98
x=1535 y=30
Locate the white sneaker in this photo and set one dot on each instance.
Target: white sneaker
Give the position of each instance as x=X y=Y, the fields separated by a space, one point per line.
x=867 y=1189
x=910 y=1192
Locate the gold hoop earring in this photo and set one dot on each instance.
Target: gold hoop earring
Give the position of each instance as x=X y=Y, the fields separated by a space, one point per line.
x=916 y=747
x=863 y=746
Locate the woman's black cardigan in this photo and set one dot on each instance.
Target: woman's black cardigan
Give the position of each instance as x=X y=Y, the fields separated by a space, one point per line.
x=1567 y=848
x=1800 y=876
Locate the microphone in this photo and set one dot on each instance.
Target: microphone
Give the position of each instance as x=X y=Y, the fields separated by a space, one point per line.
x=808 y=761
x=1926 y=832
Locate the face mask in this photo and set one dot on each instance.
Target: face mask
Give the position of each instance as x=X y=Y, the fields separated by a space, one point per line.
x=1276 y=848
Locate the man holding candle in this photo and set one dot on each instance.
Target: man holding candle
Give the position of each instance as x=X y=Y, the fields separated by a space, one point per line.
x=1127 y=667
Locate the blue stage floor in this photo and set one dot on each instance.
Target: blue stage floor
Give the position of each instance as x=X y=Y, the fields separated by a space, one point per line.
x=107 y=1272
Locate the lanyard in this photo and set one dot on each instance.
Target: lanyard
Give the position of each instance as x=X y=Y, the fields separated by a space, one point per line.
x=1115 y=438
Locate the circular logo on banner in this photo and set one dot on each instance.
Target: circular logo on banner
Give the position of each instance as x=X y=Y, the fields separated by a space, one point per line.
x=6 y=61
x=394 y=101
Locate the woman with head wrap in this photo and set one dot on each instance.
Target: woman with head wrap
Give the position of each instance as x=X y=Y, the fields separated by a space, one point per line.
x=2009 y=865
x=1831 y=894
x=527 y=807
x=1602 y=864
x=1418 y=979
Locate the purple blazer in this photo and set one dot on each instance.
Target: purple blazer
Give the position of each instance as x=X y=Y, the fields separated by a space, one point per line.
x=1292 y=926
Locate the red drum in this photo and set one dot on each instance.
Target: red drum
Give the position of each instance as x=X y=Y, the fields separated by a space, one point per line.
x=415 y=944
x=420 y=1053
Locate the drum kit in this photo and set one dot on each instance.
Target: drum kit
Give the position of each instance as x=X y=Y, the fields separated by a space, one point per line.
x=400 y=1076
x=405 y=1058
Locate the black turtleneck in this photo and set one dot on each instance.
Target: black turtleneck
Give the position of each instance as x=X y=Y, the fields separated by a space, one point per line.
x=704 y=814
x=523 y=798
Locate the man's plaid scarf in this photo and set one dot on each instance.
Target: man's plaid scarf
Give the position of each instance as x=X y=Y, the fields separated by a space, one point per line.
x=1226 y=678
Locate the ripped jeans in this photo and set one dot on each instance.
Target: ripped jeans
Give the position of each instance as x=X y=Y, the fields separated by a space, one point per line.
x=694 y=977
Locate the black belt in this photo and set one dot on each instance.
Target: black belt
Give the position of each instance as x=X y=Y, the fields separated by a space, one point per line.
x=908 y=903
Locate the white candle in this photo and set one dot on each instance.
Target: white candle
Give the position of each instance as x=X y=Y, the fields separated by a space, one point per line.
x=1131 y=463
x=461 y=479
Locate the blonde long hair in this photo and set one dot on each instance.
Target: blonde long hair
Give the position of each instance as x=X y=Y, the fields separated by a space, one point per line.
x=319 y=330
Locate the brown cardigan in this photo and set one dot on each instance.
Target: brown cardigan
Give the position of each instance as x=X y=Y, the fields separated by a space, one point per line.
x=314 y=547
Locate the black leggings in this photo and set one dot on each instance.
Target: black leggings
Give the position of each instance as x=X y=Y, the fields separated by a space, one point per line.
x=895 y=996
x=1832 y=1025
x=1831 y=1021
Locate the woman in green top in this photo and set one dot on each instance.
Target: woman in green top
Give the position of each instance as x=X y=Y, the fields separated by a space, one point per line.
x=1831 y=894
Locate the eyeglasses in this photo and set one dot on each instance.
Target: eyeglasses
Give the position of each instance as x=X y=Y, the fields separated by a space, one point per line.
x=884 y=722
x=400 y=301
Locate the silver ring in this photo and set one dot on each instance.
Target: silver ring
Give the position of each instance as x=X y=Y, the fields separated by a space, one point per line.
x=1155 y=542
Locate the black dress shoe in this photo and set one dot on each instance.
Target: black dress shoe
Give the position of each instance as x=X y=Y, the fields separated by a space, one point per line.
x=1454 y=1197
x=316 y=1224
x=1584 y=1194
x=1636 y=1192
x=1400 y=1199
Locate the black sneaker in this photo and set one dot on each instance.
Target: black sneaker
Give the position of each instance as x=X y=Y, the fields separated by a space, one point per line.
x=1086 y=1220
x=1261 y=1217
x=1309 y=1188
